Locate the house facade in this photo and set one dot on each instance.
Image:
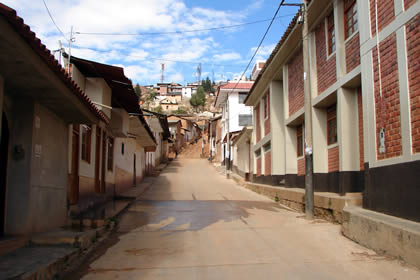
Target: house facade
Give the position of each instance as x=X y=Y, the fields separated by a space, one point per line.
x=38 y=101
x=106 y=161
x=364 y=104
x=235 y=114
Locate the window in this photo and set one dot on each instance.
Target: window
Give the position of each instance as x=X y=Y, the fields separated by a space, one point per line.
x=122 y=148
x=242 y=96
x=331 y=33
x=332 y=124
x=258 y=153
x=245 y=120
x=350 y=17
x=266 y=105
x=299 y=140
x=267 y=147
x=86 y=142
x=110 y=153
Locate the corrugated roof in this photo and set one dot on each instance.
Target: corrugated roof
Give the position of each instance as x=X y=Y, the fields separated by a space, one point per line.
x=29 y=36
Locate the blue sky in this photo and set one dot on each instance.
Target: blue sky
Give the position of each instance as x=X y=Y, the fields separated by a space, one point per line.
x=224 y=52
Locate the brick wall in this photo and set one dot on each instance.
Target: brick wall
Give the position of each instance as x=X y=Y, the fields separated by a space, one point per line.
x=388 y=109
x=296 y=87
x=267 y=121
x=259 y=166
x=267 y=163
x=352 y=53
x=408 y=3
x=333 y=159
x=326 y=69
x=301 y=166
x=258 y=123
x=385 y=14
x=413 y=60
x=361 y=143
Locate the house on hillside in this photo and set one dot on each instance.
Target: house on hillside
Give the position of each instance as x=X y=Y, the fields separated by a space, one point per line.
x=106 y=160
x=364 y=115
x=235 y=114
x=169 y=104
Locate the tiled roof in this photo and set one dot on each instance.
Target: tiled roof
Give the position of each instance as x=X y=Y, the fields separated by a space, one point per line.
x=236 y=85
x=275 y=51
x=35 y=43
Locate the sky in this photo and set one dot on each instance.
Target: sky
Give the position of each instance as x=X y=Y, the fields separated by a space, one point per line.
x=123 y=33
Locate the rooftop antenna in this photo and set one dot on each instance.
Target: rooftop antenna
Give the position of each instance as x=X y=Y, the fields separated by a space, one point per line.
x=162 y=76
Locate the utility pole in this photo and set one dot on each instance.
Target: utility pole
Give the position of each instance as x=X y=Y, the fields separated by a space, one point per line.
x=70 y=41
x=228 y=138
x=309 y=189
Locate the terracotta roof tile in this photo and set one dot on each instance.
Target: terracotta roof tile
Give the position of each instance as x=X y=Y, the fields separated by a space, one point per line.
x=30 y=37
x=241 y=85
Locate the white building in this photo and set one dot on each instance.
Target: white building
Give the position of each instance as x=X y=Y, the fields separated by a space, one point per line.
x=235 y=115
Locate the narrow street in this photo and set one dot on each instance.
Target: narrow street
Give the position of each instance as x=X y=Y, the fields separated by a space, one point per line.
x=193 y=223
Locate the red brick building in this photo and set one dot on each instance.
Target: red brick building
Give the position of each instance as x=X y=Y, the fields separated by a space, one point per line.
x=365 y=95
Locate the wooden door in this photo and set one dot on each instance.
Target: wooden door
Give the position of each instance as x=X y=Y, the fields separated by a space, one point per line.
x=4 y=156
x=73 y=188
x=97 y=160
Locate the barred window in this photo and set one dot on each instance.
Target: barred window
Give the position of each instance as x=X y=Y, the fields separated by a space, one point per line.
x=350 y=17
x=245 y=119
x=331 y=33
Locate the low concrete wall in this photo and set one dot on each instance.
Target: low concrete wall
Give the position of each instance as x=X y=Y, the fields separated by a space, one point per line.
x=383 y=233
x=328 y=206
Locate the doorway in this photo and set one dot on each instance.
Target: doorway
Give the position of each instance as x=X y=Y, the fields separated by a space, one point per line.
x=73 y=191
x=4 y=154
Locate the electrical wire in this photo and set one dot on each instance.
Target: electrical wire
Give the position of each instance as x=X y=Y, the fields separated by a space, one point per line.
x=155 y=58
x=52 y=19
x=258 y=48
x=182 y=31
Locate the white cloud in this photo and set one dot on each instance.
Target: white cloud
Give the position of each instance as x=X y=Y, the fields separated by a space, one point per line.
x=138 y=54
x=227 y=56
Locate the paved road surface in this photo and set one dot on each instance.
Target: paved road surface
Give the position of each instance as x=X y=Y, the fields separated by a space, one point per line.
x=194 y=224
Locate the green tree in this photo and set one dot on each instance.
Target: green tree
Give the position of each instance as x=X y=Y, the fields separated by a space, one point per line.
x=198 y=99
x=158 y=109
x=207 y=85
x=137 y=90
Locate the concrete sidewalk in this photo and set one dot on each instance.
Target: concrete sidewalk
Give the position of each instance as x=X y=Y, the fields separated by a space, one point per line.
x=47 y=255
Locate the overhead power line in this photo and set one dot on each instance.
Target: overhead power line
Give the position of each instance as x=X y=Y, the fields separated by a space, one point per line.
x=181 y=31
x=240 y=78
x=52 y=19
x=259 y=45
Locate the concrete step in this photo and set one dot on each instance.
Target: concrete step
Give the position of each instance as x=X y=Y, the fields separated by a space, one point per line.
x=35 y=262
x=383 y=233
x=100 y=215
x=12 y=243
